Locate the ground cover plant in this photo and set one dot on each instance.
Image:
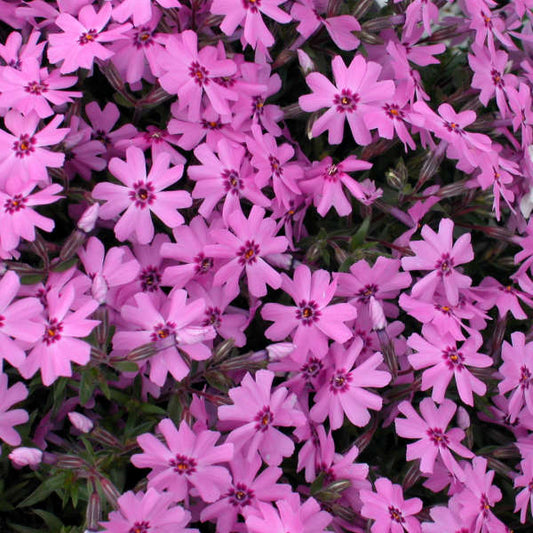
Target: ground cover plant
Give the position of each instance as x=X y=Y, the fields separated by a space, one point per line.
x=266 y=266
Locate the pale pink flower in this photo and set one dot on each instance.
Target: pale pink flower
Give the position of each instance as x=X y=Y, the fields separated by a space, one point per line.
x=26 y=456
x=14 y=417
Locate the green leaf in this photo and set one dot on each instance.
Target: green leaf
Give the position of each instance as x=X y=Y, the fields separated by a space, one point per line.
x=65 y=265
x=44 y=490
x=360 y=235
x=87 y=385
x=218 y=380
x=31 y=279
x=151 y=409
x=125 y=366
x=52 y=521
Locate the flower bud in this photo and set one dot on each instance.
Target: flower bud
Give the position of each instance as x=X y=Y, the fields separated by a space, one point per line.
x=88 y=218
x=463 y=419
x=377 y=315
x=80 y=422
x=99 y=288
x=279 y=350
x=305 y=62
x=26 y=456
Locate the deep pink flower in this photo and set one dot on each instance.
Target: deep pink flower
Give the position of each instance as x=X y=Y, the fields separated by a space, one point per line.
x=14 y=417
x=343 y=391
x=389 y=510
x=438 y=253
x=355 y=93
x=185 y=459
x=152 y=512
x=254 y=415
x=141 y=195
x=434 y=439
x=247 y=248
x=80 y=42
x=313 y=319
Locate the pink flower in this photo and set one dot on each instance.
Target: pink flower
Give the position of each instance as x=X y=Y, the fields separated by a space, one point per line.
x=253 y=240
x=446 y=360
x=26 y=456
x=141 y=11
x=14 y=417
x=313 y=319
x=23 y=158
x=389 y=510
x=434 y=440
x=254 y=415
x=249 y=11
x=141 y=195
x=185 y=462
x=80 y=42
x=60 y=343
x=343 y=391
x=80 y=422
x=356 y=93
x=153 y=512
x=525 y=497
x=438 y=253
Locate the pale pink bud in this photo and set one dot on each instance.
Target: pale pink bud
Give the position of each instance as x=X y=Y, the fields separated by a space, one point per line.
x=377 y=315
x=463 y=419
x=80 y=422
x=279 y=350
x=99 y=288
x=305 y=62
x=26 y=456
x=88 y=218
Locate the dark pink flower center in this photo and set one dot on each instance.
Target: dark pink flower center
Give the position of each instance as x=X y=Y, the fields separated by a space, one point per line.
x=142 y=194
x=35 y=87
x=312 y=368
x=211 y=124
x=163 y=331
x=393 y=111
x=332 y=173
x=454 y=359
x=155 y=136
x=346 y=101
x=52 y=331
x=150 y=278
x=525 y=377
x=88 y=37
x=24 y=146
x=340 y=381
x=226 y=81
x=497 y=78
x=140 y=527
x=395 y=514
x=437 y=437
x=240 y=495
x=445 y=265
x=444 y=309
x=308 y=312
x=101 y=135
x=275 y=165
x=258 y=105
x=203 y=263
x=232 y=181
x=248 y=253
x=212 y=315
x=252 y=5
x=199 y=73
x=15 y=204
x=264 y=419
x=183 y=465
x=484 y=505
x=367 y=292
x=143 y=38
x=454 y=127
x=2 y=318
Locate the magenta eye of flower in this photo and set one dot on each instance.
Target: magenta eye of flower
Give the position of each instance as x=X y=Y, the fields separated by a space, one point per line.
x=452 y=126
x=36 y=87
x=437 y=437
x=308 y=312
x=15 y=204
x=258 y=104
x=525 y=377
x=484 y=504
x=143 y=38
x=2 y=318
x=497 y=78
x=140 y=527
x=232 y=181
x=212 y=315
x=248 y=253
x=252 y=5
x=142 y=194
x=339 y=382
x=52 y=332
x=199 y=73
x=183 y=465
x=312 y=368
x=367 y=292
x=24 y=146
x=240 y=495
x=150 y=278
x=203 y=263
x=346 y=101
x=88 y=37
x=163 y=331
x=396 y=514
x=445 y=309
x=445 y=265
x=393 y=111
x=211 y=125
x=454 y=359
x=275 y=165
x=264 y=419
x=101 y=135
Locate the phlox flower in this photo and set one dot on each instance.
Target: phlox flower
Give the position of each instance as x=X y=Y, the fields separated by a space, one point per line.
x=11 y=417
x=356 y=92
x=434 y=439
x=248 y=489
x=20 y=319
x=151 y=511
x=326 y=180
x=517 y=373
x=186 y=463
x=438 y=253
x=390 y=512
x=254 y=415
x=140 y=11
x=176 y=324
x=247 y=13
x=343 y=391
x=312 y=321
x=80 y=41
x=190 y=73
x=61 y=342
x=290 y=515
x=19 y=220
x=444 y=519
x=446 y=360
x=247 y=248
x=23 y=159
x=141 y=195
x=420 y=11
x=524 y=498
x=15 y=53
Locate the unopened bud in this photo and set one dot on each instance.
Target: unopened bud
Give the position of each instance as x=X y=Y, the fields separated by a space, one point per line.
x=279 y=350
x=73 y=243
x=70 y=462
x=89 y=217
x=99 y=288
x=110 y=491
x=80 y=422
x=463 y=419
x=142 y=352
x=94 y=511
x=377 y=315
x=26 y=456
x=305 y=62
x=223 y=350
